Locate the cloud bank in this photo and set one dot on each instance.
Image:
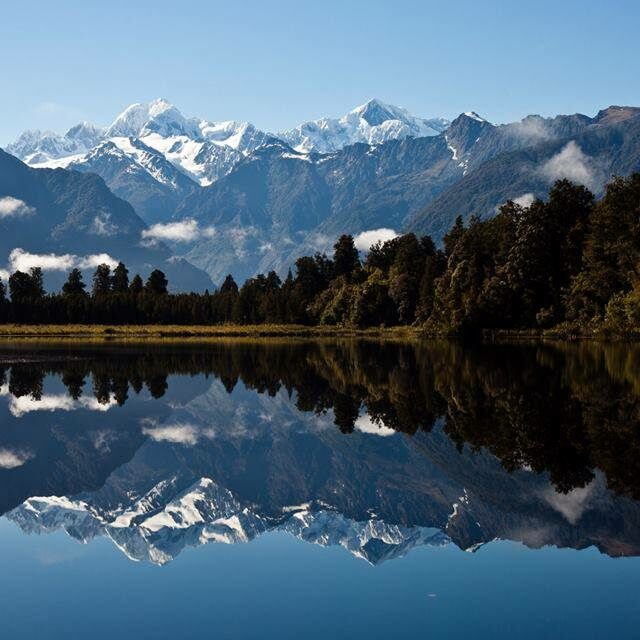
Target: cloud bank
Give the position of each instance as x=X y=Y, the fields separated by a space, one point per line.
x=176 y=434
x=570 y=163
x=21 y=260
x=186 y=231
x=365 y=240
x=14 y=208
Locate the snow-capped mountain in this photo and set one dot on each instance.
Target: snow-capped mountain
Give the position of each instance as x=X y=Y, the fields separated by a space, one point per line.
x=204 y=151
x=201 y=150
x=157 y=526
x=39 y=147
x=371 y=123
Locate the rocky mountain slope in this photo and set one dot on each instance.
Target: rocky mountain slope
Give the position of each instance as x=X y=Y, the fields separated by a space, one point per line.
x=72 y=219
x=264 y=200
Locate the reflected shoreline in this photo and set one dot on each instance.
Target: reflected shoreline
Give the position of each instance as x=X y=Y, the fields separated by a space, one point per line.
x=525 y=442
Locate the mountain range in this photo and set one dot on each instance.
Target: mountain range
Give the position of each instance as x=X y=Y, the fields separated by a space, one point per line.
x=228 y=197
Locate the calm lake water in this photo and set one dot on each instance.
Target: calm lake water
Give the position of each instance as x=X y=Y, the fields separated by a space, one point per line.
x=353 y=489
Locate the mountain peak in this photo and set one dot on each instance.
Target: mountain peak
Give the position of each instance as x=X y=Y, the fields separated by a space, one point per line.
x=616 y=113
x=474 y=116
x=158 y=116
x=375 y=112
x=129 y=122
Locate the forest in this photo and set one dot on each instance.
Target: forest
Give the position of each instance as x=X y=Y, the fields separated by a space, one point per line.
x=570 y=263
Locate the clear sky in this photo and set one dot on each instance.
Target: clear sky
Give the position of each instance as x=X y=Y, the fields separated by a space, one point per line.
x=277 y=63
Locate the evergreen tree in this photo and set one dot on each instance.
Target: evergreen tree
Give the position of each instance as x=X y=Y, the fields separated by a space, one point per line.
x=346 y=260
x=120 y=279
x=23 y=286
x=450 y=239
x=156 y=283
x=101 y=280
x=37 y=280
x=74 y=286
x=136 y=285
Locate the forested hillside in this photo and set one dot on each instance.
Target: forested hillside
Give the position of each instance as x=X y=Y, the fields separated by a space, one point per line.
x=569 y=262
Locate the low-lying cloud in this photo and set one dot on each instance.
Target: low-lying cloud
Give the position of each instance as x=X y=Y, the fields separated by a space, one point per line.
x=365 y=424
x=14 y=208
x=570 y=163
x=12 y=459
x=525 y=200
x=21 y=260
x=365 y=240
x=187 y=230
x=174 y=433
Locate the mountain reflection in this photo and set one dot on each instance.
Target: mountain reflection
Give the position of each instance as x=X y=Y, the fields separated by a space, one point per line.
x=376 y=446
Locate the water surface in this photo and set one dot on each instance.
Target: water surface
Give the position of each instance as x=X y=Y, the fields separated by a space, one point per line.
x=320 y=489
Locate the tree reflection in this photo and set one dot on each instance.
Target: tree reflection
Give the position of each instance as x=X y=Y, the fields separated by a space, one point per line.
x=561 y=409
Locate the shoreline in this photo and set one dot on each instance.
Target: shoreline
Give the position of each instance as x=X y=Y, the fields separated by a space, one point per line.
x=102 y=333
x=186 y=332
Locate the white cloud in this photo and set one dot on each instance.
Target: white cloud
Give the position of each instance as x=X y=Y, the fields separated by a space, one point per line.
x=54 y=402
x=13 y=208
x=10 y=459
x=92 y=261
x=175 y=433
x=187 y=230
x=102 y=225
x=365 y=424
x=570 y=163
x=532 y=129
x=366 y=239
x=4 y=275
x=525 y=200
x=20 y=260
x=573 y=504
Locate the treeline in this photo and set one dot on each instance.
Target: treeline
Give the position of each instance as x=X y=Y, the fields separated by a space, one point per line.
x=569 y=262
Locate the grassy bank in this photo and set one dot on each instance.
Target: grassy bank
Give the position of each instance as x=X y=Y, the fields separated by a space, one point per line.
x=110 y=332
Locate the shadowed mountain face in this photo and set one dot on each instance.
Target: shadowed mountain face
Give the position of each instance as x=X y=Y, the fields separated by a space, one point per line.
x=76 y=217
x=376 y=447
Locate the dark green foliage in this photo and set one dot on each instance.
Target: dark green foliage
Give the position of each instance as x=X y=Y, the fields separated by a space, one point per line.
x=156 y=283
x=566 y=261
x=74 y=286
x=120 y=279
x=346 y=261
x=136 y=285
x=101 y=280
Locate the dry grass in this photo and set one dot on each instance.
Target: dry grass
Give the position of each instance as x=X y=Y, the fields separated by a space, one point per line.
x=143 y=332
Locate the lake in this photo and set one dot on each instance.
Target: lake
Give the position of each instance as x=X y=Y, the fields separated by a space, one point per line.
x=319 y=489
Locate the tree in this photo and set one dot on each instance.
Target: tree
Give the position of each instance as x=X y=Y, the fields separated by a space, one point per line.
x=404 y=277
x=136 y=285
x=120 y=279
x=101 y=280
x=450 y=240
x=156 y=283
x=229 y=285
x=74 y=286
x=37 y=282
x=24 y=286
x=346 y=260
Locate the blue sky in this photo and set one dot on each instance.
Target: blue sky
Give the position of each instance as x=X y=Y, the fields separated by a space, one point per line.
x=277 y=63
